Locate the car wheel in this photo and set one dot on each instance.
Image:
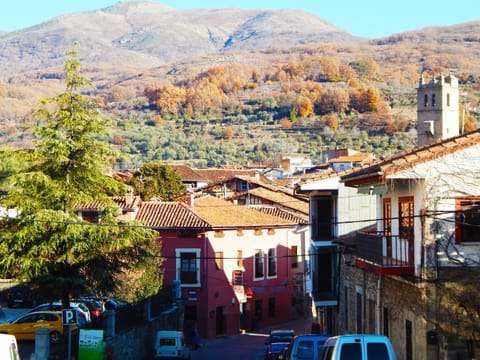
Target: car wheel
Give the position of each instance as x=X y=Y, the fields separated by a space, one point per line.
x=54 y=337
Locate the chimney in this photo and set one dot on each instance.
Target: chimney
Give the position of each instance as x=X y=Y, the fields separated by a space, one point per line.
x=191 y=200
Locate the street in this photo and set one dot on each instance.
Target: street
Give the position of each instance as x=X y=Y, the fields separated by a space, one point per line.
x=248 y=346
x=239 y=347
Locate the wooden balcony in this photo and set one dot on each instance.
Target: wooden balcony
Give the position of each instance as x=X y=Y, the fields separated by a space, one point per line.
x=384 y=254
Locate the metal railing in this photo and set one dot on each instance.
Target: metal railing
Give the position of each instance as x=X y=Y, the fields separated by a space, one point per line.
x=385 y=250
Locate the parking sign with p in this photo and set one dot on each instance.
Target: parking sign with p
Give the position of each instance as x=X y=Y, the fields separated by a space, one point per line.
x=69 y=316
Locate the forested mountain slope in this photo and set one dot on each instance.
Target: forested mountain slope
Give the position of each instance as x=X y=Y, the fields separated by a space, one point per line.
x=212 y=87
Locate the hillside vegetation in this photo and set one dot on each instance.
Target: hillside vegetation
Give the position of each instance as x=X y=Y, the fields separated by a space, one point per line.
x=241 y=91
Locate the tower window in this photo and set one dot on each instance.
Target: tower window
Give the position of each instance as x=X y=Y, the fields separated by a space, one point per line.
x=434 y=100
x=448 y=99
x=425 y=100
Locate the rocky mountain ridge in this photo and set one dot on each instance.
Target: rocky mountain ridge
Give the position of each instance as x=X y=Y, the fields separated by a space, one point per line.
x=145 y=34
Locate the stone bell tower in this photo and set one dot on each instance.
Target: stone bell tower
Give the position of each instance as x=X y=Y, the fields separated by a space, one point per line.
x=437 y=108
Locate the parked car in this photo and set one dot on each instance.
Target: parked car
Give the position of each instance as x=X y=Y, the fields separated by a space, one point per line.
x=277 y=341
x=171 y=344
x=358 y=347
x=95 y=307
x=8 y=347
x=20 y=296
x=84 y=317
x=24 y=326
x=304 y=347
x=274 y=350
x=115 y=304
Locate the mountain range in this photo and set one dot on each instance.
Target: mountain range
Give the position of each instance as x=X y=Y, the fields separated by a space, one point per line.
x=139 y=35
x=132 y=45
x=146 y=34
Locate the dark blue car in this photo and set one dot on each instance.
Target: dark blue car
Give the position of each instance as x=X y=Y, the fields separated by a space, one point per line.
x=277 y=341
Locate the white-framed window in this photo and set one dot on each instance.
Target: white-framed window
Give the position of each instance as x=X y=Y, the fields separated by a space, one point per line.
x=188 y=266
x=272 y=263
x=259 y=264
x=294 y=256
x=219 y=260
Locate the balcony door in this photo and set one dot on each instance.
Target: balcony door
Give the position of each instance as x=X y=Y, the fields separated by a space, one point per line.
x=406 y=218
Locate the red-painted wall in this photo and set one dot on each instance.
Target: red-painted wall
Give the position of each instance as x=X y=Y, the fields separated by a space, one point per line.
x=218 y=311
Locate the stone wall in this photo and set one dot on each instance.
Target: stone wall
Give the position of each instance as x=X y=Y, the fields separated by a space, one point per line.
x=370 y=303
x=428 y=315
x=138 y=343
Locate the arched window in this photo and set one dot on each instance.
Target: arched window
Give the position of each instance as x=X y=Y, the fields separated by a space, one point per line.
x=425 y=100
x=434 y=101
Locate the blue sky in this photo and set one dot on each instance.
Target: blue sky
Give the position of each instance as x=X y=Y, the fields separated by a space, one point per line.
x=368 y=18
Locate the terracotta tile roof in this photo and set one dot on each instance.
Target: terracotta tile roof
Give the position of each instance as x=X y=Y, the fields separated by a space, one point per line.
x=324 y=174
x=261 y=164
x=281 y=199
x=260 y=181
x=220 y=175
x=210 y=176
x=220 y=213
x=296 y=217
x=352 y=158
x=187 y=173
x=171 y=215
x=207 y=212
x=418 y=155
x=126 y=203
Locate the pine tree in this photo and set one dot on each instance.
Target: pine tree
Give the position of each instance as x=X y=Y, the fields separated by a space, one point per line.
x=46 y=243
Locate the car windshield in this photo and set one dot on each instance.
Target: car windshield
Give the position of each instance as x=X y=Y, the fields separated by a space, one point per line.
x=281 y=338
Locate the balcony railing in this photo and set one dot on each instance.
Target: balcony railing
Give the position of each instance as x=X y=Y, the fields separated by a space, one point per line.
x=385 y=253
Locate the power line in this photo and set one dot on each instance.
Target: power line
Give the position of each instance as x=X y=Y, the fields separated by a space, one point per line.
x=429 y=214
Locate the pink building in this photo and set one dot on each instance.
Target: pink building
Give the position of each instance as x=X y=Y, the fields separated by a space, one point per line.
x=233 y=264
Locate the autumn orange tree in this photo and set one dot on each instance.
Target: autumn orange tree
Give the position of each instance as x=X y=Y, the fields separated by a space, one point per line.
x=365 y=99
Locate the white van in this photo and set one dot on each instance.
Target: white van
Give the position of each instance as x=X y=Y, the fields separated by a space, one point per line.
x=8 y=347
x=171 y=344
x=358 y=347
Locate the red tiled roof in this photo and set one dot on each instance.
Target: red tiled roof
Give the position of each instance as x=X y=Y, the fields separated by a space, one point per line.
x=220 y=213
x=219 y=175
x=187 y=173
x=207 y=212
x=324 y=174
x=282 y=213
x=169 y=215
x=281 y=198
x=210 y=176
x=260 y=181
x=126 y=203
x=352 y=158
x=421 y=154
